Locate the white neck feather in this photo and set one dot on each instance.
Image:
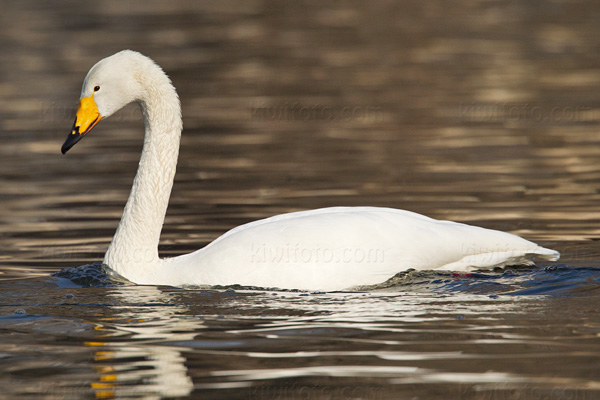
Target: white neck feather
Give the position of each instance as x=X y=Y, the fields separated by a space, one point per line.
x=134 y=248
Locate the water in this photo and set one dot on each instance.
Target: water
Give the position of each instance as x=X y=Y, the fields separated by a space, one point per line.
x=483 y=112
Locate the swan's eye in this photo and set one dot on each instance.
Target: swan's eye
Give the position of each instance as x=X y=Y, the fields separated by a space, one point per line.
x=96 y=88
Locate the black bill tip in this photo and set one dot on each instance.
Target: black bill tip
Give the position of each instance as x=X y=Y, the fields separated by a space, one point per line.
x=73 y=138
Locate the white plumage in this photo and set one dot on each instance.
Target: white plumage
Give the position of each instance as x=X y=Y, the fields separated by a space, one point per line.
x=326 y=249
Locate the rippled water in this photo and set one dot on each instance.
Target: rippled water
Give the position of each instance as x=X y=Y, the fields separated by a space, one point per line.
x=480 y=112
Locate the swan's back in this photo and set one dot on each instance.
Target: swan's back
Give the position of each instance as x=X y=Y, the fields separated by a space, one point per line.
x=344 y=247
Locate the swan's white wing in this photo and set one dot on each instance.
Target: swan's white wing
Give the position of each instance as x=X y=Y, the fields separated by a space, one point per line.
x=339 y=248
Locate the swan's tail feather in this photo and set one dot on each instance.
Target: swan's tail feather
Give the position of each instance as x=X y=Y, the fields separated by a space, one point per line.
x=530 y=258
x=545 y=254
x=493 y=259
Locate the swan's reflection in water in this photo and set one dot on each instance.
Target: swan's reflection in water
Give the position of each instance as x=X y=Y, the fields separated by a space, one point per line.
x=163 y=342
x=134 y=359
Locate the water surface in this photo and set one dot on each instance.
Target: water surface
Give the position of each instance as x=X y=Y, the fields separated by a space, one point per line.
x=482 y=112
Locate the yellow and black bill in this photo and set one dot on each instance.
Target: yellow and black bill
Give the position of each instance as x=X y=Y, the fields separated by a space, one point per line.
x=86 y=118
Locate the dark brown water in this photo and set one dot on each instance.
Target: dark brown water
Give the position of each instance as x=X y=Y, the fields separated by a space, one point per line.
x=485 y=112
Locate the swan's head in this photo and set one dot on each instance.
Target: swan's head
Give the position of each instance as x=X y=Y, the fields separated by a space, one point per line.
x=110 y=85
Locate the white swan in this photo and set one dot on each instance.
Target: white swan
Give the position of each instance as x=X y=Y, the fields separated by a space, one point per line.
x=326 y=249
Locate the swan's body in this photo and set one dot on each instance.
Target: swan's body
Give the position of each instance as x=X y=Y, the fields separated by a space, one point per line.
x=326 y=249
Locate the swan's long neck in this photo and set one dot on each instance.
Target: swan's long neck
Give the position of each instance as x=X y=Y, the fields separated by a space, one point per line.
x=134 y=248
